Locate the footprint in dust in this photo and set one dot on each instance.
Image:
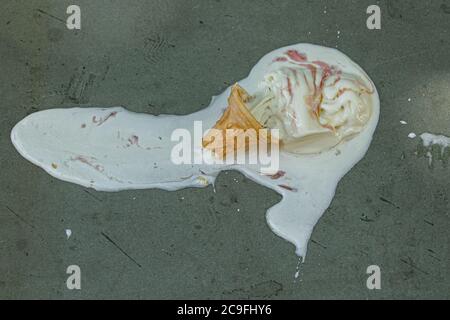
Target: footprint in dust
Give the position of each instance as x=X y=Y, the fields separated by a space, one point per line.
x=79 y=88
x=83 y=81
x=154 y=48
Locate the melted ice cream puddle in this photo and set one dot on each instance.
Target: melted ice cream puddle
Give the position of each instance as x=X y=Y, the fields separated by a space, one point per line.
x=429 y=140
x=112 y=149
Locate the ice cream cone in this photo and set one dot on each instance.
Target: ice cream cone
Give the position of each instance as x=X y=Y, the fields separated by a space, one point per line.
x=237 y=130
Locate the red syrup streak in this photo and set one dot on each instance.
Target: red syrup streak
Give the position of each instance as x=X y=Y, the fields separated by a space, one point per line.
x=327 y=69
x=101 y=121
x=296 y=56
x=314 y=101
x=88 y=162
x=277 y=175
x=290 y=88
x=287 y=187
x=280 y=59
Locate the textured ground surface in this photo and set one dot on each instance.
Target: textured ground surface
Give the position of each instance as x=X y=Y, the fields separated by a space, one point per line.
x=171 y=57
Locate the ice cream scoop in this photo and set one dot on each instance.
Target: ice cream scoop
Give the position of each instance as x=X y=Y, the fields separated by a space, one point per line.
x=313 y=104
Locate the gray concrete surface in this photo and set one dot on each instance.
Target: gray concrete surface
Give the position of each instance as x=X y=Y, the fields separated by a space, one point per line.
x=163 y=56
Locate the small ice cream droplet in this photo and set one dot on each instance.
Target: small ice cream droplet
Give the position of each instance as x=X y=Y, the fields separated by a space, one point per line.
x=430 y=158
x=409 y=99
x=412 y=135
x=68 y=233
x=403 y=122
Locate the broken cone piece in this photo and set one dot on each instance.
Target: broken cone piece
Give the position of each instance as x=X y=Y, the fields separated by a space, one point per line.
x=237 y=129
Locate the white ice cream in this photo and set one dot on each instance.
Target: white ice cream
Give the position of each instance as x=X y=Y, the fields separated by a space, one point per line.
x=430 y=139
x=112 y=149
x=314 y=105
